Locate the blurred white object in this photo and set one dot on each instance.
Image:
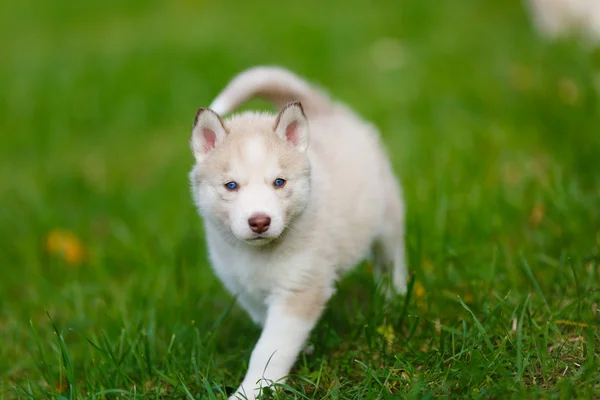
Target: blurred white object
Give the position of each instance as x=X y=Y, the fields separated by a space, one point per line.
x=559 y=18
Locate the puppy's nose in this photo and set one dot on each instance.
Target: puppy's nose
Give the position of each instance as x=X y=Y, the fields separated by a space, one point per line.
x=259 y=223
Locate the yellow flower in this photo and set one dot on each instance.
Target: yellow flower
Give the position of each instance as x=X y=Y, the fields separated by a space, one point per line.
x=66 y=245
x=387 y=331
x=419 y=290
x=420 y=296
x=537 y=215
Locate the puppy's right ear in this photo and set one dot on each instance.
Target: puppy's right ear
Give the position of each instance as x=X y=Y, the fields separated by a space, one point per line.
x=291 y=125
x=208 y=133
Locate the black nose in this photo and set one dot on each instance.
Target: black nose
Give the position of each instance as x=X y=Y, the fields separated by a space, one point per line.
x=259 y=223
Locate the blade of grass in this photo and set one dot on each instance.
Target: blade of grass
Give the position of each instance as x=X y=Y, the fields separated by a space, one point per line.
x=478 y=325
x=537 y=287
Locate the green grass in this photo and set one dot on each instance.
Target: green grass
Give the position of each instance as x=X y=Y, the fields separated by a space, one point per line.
x=494 y=134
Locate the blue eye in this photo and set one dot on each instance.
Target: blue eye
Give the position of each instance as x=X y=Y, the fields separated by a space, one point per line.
x=231 y=185
x=279 y=183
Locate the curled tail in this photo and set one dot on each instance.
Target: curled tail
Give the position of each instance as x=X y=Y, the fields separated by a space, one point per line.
x=275 y=84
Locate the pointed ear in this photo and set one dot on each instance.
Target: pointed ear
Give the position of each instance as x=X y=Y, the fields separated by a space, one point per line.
x=292 y=126
x=208 y=133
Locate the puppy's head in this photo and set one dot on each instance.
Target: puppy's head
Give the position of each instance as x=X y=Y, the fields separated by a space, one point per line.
x=252 y=173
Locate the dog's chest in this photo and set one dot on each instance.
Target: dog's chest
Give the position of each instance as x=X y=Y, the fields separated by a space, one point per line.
x=242 y=271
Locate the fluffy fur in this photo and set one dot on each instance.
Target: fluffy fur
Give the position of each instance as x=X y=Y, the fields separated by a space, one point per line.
x=559 y=18
x=340 y=201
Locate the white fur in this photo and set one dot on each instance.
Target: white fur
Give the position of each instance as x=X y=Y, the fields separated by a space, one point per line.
x=219 y=107
x=556 y=18
x=254 y=153
x=277 y=84
x=340 y=202
x=276 y=350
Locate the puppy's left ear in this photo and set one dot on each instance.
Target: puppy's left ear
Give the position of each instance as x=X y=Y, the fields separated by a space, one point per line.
x=291 y=125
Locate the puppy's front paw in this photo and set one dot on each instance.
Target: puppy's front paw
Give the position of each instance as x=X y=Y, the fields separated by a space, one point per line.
x=241 y=396
x=244 y=394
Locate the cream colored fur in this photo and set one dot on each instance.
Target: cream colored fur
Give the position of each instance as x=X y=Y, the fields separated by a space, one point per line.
x=340 y=202
x=556 y=18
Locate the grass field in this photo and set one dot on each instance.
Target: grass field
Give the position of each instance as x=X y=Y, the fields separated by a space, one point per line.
x=105 y=289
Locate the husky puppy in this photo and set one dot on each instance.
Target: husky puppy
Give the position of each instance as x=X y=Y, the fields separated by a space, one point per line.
x=290 y=202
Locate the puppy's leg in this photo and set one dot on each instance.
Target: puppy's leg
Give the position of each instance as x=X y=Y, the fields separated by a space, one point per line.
x=255 y=309
x=389 y=250
x=290 y=318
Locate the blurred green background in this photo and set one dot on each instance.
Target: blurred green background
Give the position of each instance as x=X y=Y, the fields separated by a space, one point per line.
x=494 y=134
